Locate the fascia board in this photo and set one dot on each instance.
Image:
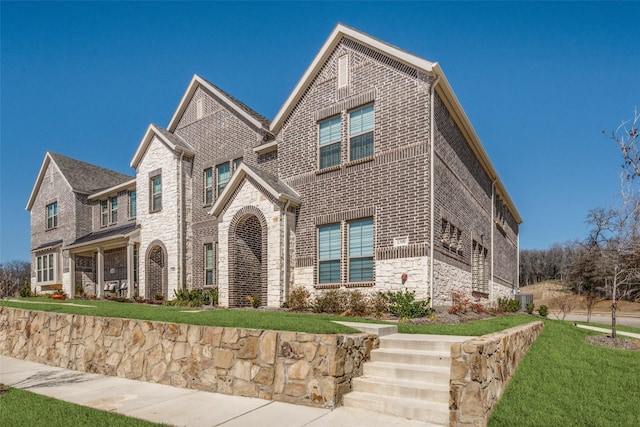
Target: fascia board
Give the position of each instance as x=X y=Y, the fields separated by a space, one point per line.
x=116 y=188
x=193 y=85
x=451 y=100
x=326 y=50
x=146 y=140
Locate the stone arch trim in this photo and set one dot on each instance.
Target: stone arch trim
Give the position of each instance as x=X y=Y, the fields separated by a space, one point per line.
x=156 y=270
x=236 y=296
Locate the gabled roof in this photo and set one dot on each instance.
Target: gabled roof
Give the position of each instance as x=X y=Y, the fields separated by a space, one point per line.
x=82 y=177
x=173 y=141
x=272 y=184
x=105 y=234
x=443 y=88
x=250 y=115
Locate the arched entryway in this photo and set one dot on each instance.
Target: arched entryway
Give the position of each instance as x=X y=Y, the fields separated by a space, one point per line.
x=156 y=280
x=248 y=258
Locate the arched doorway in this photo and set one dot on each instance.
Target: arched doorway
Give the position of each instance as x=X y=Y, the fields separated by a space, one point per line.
x=248 y=263
x=156 y=271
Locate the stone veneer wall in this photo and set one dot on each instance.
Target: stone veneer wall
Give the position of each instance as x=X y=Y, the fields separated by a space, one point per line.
x=301 y=368
x=480 y=370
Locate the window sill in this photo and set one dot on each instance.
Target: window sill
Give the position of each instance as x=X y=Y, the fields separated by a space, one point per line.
x=360 y=285
x=327 y=286
x=51 y=229
x=329 y=169
x=480 y=294
x=359 y=161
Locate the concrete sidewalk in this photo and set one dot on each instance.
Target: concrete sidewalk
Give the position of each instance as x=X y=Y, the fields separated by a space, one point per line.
x=608 y=331
x=177 y=406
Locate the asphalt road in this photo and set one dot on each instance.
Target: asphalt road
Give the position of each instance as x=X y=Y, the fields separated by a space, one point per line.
x=604 y=319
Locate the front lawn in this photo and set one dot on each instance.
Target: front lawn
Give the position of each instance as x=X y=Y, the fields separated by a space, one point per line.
x=250 y=318
x=20 y=408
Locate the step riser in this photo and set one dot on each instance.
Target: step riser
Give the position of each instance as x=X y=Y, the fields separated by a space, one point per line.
x=361 y=384
x=415 y=345
x=410 y=358
x=374 y=370
x=440 y=416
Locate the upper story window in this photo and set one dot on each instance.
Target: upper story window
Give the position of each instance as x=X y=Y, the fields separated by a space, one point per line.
x=361 y=123
x=223 y=175
x=156 y=193
x=45 y=267
x=114 y=210
x=52 y=215
x=104 y=213
x=329 y=142
x=208 y=186
x=133 y=204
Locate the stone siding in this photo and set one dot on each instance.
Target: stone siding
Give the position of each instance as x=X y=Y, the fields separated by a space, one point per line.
x=482 y=367
x=294 y=367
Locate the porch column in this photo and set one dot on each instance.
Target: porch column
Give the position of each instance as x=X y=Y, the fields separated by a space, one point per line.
x=72 y=274
x=99 y=272
x=130 y=261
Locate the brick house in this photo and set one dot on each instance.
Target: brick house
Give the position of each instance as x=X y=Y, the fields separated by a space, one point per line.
x=370 y=176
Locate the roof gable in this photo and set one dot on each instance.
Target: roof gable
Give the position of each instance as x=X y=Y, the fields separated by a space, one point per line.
x=232 y=103
x=278 y=189
x=81 y=177
x=173 y=141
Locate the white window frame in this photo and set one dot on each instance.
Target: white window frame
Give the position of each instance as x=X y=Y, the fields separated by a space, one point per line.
x=133 y=204
x=209 y=268
x=51 y=219
x=155 y=201
x=46 y=268
x=332 y=141
x=104 y=213
x=207 y=181
x=113 y=210
x=362 y=132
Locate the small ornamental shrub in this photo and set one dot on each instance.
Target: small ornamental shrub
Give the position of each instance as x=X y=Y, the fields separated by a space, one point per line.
x=25 y=289
x=158 y=296
x=298 y=299
x=529 y=307
x=358 y=304
x=509 y=305
x=461 y=303
x=543 y=310
x=254 y=300
x=404 y=304
x=210 y=297
x=187 y=298
x=379 y=304
x=333 y=301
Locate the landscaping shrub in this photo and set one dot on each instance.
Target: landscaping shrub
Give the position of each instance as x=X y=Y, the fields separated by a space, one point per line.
x=333 y=301
x=158 y=296
x=210 y=297
x=298 y=299
x=461 y=303
x=404 y=304
x=358 y=304
x=254 y=300
x=543 y=310
x=529 y=307
x=187 y=298
x=25 y=289
x=509 y=305
x=378 y=304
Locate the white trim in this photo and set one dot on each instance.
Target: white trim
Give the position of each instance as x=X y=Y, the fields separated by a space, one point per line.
x=131 y=184
x=152 y=131
x=36 y=187
x=266 y=148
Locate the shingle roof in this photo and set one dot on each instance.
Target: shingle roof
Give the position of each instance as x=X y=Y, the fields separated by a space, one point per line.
x=173 y=138
x=49 y=244
x=107 y=232
x=87 y=178
x=259 y=117
x=274 y=182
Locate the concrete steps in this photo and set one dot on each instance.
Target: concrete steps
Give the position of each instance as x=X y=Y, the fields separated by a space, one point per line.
x=408 y=376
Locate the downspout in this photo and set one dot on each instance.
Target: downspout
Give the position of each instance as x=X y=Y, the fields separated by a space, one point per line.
x=431 y=186
x=286 y=250
x=493 y=215
x=180 y=225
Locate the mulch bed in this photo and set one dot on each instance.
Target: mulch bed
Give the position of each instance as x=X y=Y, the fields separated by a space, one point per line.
x=619 y=343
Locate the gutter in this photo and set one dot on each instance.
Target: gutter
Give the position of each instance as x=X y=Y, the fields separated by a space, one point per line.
x=431 y=186
x=286 y=250
x=180 y=231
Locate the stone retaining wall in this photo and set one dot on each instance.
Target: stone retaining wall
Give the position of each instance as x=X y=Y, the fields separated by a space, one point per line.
x=481 y=368
x=301 y=368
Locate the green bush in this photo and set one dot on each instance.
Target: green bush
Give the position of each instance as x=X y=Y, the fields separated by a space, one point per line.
x=254 y=300
x=25 y=289
x=404 y=304
x=378 y=304
x=529 y=307
x=543 y=310
x=210 y=297
x=187 y=298
x=298 y=299
x=333 y=301
x=359 y=304
x=509 y=305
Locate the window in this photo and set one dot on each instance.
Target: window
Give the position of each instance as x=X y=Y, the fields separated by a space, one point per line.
x=104 y=212
x=329 y=253
x=330 y=142
x=451 y=237
x=52 y=215
x=156 y=193
x=223 y=175
x=361 y=123
x=479 y=273
x=208 y=186
x=208 y=264
x=114 y=210
x=236 y=164
x=361 y=250
x=45 y=268
x=132 y=204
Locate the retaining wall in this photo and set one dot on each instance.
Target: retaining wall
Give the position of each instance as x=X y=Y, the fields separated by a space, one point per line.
x=301 y=368
x=480 y=370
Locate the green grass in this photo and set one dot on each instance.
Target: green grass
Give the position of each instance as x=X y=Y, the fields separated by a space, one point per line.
x=20 y=408
x=562 y=381
x=480 y=327
x=250 y=319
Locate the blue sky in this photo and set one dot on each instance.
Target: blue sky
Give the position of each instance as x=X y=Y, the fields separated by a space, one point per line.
x=539 y=82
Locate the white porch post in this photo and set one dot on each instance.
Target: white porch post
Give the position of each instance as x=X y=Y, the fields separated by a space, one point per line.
x=72 y=274
x=130 y=261
x=99 y=272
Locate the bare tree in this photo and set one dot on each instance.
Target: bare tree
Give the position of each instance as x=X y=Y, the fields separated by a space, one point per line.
x=627 y=137
x=12 y=274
